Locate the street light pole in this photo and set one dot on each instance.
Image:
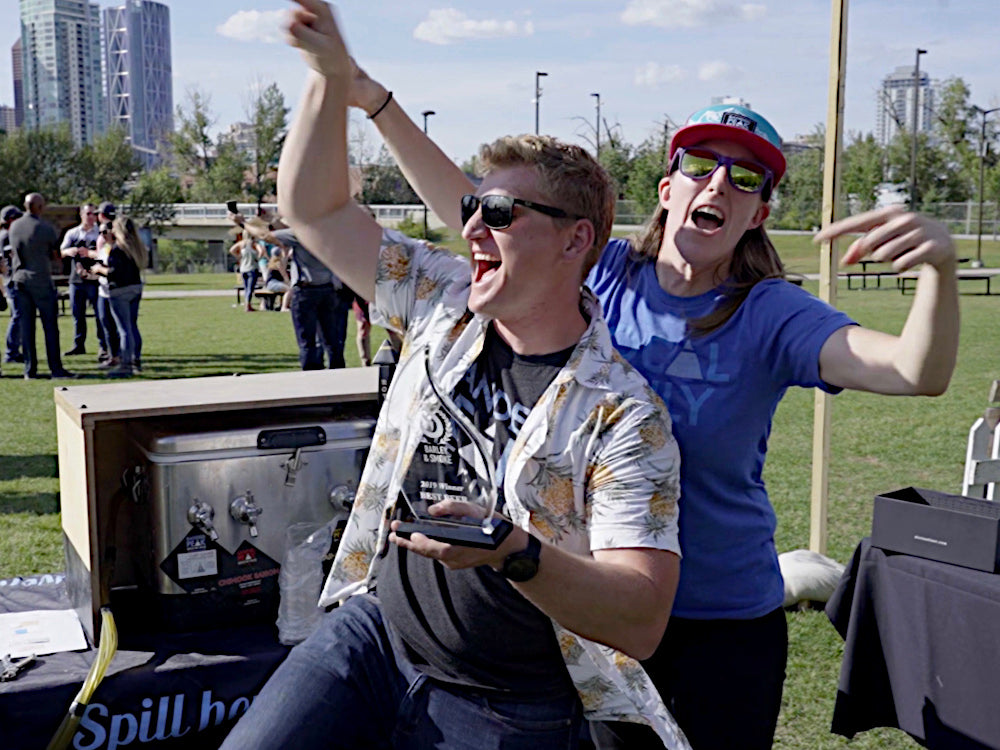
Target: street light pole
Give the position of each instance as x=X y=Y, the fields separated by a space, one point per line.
x=426 y=113
x=597 y=129
x=984 y=148
x=538 y=95
x=916 y=128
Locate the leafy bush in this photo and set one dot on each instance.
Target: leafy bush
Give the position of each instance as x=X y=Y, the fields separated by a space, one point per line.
x=184 y=256
x=412 y=228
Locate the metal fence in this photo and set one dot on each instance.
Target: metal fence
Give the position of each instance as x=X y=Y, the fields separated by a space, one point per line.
x=963 y=218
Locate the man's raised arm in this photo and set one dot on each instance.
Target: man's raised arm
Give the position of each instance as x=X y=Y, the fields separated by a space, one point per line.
x=314 y=193
x=435 y=177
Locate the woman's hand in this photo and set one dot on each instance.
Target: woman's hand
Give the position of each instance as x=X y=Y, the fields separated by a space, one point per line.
x=314 y=31
x=894 y=235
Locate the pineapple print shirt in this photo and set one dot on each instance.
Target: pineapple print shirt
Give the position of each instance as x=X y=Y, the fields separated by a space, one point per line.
x=595 y=465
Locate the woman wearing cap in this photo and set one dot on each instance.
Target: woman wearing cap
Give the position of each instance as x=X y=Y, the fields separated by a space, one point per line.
x=698 y=303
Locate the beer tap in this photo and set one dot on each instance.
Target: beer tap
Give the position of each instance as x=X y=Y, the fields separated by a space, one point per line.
x=245 y=510
x=200 y=515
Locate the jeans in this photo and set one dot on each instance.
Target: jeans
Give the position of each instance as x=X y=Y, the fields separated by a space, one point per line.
x=125 y=311
x=108 y=326
x=79 y=295
x=326 y=308
x=346 y=687
x=41 y=300
x=249 y=282
x=13 y=344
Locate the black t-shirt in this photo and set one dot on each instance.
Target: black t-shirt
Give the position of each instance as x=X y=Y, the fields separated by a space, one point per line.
x=471 y=627
x=122 y=270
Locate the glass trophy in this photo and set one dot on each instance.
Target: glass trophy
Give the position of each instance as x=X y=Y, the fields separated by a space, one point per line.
x=452 y=461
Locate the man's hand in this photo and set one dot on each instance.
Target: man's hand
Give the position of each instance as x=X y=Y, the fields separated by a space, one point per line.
x=314 y=31
x=457 y=557
x=894 y=235
x=365 y=93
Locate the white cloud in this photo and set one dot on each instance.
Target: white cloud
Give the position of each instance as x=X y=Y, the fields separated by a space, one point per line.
x=449 y=25
x=652 y=74
x=255 y=26
x=713 y=71
x=670 y=14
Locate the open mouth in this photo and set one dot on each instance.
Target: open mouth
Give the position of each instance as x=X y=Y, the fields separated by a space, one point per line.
x=707 y=218
x=483 y=266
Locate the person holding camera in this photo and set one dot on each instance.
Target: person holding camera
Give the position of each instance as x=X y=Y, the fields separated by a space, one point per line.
x=80 y=245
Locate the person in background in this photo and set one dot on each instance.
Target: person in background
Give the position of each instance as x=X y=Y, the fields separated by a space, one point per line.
x=80 y=244
x=320 y=301
x=276 y=278
x=12 y=342
x=34 y=244
x=127 y=257
x=108 y=358
x=699 y=305
x=248 y=252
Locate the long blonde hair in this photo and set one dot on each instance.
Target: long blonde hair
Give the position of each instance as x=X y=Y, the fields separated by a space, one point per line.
x=127 y=238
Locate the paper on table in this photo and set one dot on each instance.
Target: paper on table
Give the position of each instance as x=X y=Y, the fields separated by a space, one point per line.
x=40 y=631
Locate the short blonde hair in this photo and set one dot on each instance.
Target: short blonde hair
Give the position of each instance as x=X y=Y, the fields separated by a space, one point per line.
x=569 y=176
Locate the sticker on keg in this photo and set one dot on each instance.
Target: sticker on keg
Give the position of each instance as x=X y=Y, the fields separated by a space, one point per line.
x=197 y=564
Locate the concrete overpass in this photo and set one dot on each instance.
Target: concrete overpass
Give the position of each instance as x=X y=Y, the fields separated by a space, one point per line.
x=207 y=222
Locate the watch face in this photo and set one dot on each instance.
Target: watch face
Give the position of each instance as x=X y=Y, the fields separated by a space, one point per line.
x=520 y=569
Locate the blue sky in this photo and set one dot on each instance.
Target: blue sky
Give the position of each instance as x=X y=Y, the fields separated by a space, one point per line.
x=474 y=64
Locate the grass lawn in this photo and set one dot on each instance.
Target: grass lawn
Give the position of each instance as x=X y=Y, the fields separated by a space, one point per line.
x=879 y=444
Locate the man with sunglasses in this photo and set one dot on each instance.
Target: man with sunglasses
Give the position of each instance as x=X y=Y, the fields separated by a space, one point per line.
x=468 y=647
x=699 y=305
x=79 y=245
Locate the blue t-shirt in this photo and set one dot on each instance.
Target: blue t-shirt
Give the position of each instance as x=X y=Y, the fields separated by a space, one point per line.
x=722 y=390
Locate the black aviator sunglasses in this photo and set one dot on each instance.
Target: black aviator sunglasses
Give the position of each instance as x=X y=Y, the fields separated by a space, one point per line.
x=498 y=210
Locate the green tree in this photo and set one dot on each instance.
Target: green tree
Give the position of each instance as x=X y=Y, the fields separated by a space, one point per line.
x=616 y=158
x=798 y=201
x=106 y=165
x=268 y=117
x=43 y=161
x=382 y=182
x=862 y=170
x=152 y=198
x=191 y=141
x=646 y=170
x=226 y=177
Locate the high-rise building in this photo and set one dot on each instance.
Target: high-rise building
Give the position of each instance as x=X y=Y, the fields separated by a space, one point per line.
x=61 y=50
x=894 y=104
x=17 y=66
x=140 y=82
x=8 y=118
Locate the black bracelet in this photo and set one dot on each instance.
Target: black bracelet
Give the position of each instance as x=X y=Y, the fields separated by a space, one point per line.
x=385 y=104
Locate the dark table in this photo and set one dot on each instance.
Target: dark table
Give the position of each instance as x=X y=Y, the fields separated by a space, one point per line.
x=162 y=690
x=921 y=650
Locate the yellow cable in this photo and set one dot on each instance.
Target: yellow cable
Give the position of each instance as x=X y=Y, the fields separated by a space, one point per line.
x=105 y=653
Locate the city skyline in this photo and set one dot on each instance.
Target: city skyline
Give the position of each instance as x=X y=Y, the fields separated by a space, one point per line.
x=649 y=59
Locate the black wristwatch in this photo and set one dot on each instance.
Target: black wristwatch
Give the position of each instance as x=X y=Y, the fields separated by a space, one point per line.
x=522 y=566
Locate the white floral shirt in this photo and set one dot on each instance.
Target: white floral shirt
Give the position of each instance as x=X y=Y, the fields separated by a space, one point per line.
x=595 y=465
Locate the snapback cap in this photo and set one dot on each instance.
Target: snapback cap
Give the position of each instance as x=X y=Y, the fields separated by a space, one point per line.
x=108 y=209
x=9 y=213
x=731 y=122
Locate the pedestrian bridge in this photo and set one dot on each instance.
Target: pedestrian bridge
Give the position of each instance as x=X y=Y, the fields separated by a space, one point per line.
x=207 y=222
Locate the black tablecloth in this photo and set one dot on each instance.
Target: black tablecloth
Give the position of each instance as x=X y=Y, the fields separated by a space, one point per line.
x=921 y=649
x=161 y=691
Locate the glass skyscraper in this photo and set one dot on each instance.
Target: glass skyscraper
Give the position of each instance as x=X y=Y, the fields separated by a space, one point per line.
x=61 y=52
x=139 y=74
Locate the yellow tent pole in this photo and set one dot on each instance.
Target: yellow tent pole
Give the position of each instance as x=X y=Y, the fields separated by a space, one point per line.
x=827 y=266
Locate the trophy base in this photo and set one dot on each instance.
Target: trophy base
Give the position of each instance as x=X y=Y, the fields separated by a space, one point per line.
x=462 y=535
